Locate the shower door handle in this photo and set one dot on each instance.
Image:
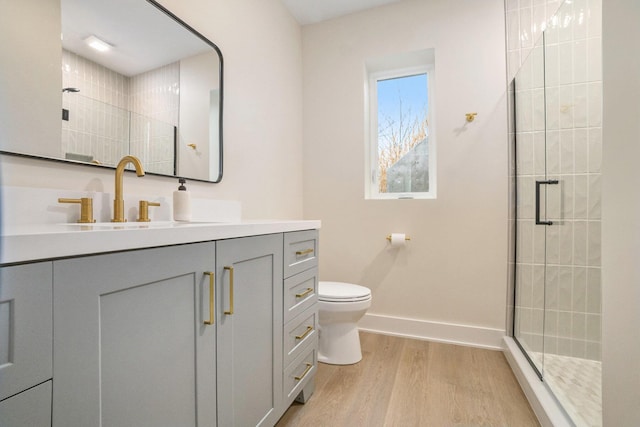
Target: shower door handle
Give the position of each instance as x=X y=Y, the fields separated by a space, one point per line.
x=538 y=184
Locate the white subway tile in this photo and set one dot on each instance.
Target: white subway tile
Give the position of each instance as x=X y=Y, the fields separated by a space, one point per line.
x=565 y=63
x=594 y=291
x=566 y=104
x=594 y=59
x=581 y=197
x=551 y=290
x=593 y=327
x=579 y=326
x=595 y=104
x=565 y=239
x=580 y=61
x=553 y=108
x=565 y=319
x=595 y=149
x=580 y=243
x=539 y=153
x=580 y=21
x=594 y=28
x=595 y=196
x=566 y=151
x=594 y=243
x=579 y=302
x=581 y=147
x=553 y=245
x=552 y=66
x=526 y=24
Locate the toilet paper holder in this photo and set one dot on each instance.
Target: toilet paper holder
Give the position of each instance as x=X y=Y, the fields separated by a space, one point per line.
x=405 y=237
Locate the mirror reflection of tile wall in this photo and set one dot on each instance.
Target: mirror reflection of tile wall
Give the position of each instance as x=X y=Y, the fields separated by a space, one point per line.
x=114 y=115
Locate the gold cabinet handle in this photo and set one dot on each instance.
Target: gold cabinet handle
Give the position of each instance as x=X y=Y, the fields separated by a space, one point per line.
x=86 y=208
x=304 y=252
x=230 y=270
x=305 y=293
x=307 y=332
x=306 y=371
x=212 y=305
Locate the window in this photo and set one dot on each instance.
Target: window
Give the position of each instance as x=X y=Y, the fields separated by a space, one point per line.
x=400 y=143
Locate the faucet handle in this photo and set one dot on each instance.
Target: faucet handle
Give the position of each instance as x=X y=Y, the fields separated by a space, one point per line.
x=144 y=210
x=86 y=208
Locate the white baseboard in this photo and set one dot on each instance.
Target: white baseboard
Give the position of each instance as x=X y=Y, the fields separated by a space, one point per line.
x=468 y=335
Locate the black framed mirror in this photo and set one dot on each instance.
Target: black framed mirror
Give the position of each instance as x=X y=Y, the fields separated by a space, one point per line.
x=90 y=81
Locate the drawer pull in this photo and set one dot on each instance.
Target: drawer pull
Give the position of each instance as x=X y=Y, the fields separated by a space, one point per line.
x=304 y=374
x=305 y=293
x=304 y=335
x=212 y=313
x=304 y=252
x=230 y=270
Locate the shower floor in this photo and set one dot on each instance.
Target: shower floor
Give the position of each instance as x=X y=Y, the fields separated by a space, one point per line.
x=577 y=384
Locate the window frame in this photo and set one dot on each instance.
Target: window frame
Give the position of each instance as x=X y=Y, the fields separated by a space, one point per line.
x=371 y=140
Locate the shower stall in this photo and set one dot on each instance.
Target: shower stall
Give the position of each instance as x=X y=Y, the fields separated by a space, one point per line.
x=556 y=142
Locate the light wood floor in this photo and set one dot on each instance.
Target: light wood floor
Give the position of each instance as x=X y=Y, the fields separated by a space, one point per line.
x=405 y=382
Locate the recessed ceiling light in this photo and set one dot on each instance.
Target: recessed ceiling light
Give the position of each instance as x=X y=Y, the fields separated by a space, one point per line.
x=97 y=44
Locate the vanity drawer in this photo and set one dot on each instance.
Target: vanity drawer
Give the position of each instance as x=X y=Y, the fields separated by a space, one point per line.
x=298 y=333
x=300 y=293
x=300 y=251
x=299 y=373
x=30 y=408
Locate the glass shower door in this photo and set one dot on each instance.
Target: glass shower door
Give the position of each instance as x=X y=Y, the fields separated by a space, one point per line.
x=557 y=174
x=530 y=167
x=573 y=94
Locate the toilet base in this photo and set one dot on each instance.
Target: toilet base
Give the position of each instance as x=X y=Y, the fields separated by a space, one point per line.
x=339 y=344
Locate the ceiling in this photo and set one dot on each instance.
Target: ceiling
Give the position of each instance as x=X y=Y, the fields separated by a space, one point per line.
x=313 y=11
x=144 y=38
x=134 y=26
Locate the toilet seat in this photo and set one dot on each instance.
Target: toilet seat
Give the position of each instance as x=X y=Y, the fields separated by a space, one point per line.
x=342 y=292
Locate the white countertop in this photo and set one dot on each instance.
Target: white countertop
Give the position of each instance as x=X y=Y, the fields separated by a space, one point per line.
x=23 y=243
x=35 y=226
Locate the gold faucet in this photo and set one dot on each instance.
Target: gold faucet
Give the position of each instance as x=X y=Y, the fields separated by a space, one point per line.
x=118 y=202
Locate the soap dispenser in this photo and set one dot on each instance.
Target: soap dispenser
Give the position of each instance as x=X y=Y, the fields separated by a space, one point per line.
x=181 y=203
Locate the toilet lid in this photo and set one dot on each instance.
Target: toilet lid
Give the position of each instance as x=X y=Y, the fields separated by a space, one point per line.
x=342 y=292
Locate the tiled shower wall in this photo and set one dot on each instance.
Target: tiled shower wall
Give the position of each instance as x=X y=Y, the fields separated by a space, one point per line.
x=155 y=95
x=526 y=19
x=100 y=126
x=569 y=307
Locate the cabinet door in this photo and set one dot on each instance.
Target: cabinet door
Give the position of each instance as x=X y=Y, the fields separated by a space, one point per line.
x=25 y=327
x=131 y=346
x=250 y=335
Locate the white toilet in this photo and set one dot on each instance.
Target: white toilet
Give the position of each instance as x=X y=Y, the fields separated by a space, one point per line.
x=340 y=306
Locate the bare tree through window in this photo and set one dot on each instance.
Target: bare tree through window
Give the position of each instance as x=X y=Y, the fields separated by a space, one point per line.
x=402 y=126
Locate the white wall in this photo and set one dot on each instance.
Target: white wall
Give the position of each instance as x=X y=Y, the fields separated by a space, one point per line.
x=621 y=214
x=30 y=92
x=453 y=271
x=261 y=44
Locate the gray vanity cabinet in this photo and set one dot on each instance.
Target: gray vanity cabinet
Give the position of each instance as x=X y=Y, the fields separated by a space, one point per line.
x=131 y=344
x=249 y=313
x=25 y=345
